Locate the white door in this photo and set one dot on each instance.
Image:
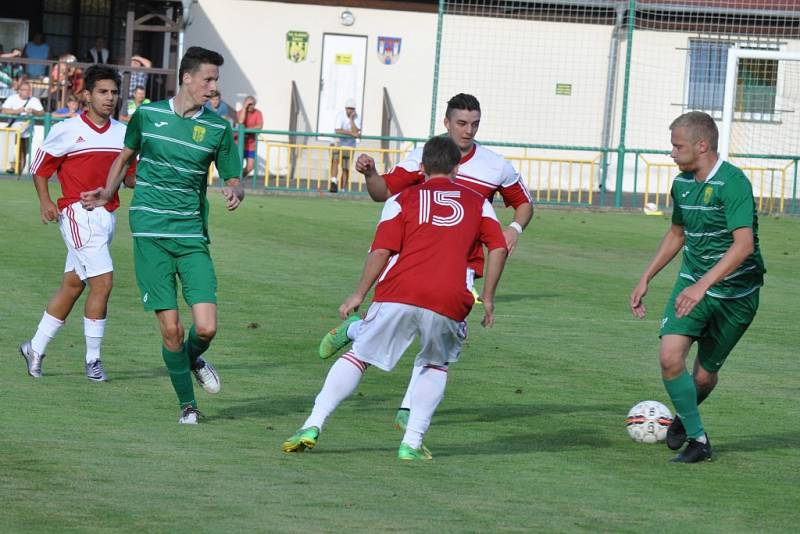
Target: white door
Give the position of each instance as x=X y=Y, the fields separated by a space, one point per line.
x=344 y=65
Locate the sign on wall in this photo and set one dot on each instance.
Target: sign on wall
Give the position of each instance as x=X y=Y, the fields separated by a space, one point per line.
x=389 y=49
x=296 y=46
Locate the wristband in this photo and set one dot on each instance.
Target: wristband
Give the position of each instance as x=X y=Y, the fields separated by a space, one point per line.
x=516 y=226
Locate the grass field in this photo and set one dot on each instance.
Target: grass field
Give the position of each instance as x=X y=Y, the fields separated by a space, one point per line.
x=530 y=435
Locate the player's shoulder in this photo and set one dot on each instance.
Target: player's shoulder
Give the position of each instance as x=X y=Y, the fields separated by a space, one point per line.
x=488 y=155
x=159 y=106
x=209 y=118
x=728 y=172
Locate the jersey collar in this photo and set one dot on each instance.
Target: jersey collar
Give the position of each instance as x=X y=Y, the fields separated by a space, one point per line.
x=93 y=126
x=197 y=113
x=468 y=156
x=713 y=170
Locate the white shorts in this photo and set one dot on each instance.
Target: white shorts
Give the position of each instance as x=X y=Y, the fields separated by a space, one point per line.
x=389 y=328
x=87 y=235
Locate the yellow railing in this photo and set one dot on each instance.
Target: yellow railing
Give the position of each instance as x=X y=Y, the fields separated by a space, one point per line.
x=558 y=179
x=7 y=133
x=763 y=178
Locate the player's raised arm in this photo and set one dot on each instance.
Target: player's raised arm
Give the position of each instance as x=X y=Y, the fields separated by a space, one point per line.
x=116 y=174
x=376 y=186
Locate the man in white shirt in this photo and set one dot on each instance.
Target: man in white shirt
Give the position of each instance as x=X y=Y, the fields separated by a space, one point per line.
x=348 y=123
x=25 y=105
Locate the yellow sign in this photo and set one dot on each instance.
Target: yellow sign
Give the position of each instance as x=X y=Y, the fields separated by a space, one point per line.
x=198 y=134
x=707 y=194
x=344 y=59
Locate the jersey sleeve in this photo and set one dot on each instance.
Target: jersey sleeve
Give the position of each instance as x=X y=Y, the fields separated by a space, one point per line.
x=133 y=133
x=227 y=161
x=737 y=197
x=677 y=215
x=512 y=189
x=49 y=156
x=389 y=234
x=405 y=174
x=491 y=234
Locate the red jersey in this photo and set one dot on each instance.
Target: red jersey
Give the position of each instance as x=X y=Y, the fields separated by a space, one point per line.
x=433 y=227
x=252 y=120
x=81 y=153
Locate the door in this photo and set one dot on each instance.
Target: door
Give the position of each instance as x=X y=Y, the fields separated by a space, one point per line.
x=342 y=75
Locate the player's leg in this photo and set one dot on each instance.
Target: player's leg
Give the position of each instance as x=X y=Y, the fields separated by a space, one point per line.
x=204 y=315
x=334 y=181
x=177 y=361
x=338 y=338
x=94 y=323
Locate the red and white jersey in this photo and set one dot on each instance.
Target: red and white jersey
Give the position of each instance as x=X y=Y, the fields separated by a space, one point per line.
x=81 y=153
x=433 y=227
x=481 y=170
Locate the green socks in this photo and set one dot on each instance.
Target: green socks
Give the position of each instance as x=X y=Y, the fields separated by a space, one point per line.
x=195 y=346
x=178 y=367
x=683 y=393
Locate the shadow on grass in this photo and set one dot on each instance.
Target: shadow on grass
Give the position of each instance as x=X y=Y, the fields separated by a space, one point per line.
x=526 y=296
x=499 y=412
x=788 y=440
x=268 y=408
x=559 y=441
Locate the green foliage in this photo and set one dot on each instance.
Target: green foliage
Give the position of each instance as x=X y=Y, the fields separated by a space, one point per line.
x=530 y=436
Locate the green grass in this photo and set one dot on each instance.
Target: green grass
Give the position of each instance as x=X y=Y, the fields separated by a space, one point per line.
x=530 y=435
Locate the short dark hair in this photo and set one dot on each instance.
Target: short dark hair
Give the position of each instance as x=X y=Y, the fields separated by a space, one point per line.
x=440 y=155
x=138 y=87
x=196 y=56
x=700 y=125
x=462 y=101
x=100 y=72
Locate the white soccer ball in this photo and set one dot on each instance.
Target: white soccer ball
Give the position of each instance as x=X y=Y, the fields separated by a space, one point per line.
x=648 y=421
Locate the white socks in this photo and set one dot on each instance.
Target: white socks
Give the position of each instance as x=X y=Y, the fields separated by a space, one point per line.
x=93 y=329
x=406 y=404
x=47 y=330
x=341 y=382
x=427 y=393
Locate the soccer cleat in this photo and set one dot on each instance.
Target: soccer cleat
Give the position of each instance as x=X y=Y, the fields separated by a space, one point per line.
x=676 y=434
x=476 y=296
x=401 y=419
x=695 y=451
x=303 y=439
x=336 y=339
x=206 y=376
x=189 y=415
x=94 y=371
x=407 y=452
x=32 y=359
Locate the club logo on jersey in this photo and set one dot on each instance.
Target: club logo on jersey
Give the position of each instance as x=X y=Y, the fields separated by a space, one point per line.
x=389 y=49
x=80 y=139
x=160 y=124
x=198 y=134
x=707 y=194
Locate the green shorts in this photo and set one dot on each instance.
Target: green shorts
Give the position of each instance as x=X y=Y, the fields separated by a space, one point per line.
x=159 y=260
x=716 y=324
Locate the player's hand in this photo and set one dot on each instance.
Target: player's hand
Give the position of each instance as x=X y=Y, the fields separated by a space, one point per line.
x=232 y=200
x=350 y=305
x=365 y=164
x=637 y=299
x=94 y=199
x=688 y=299
x=49 y=211
x=512 y=236
x=488 y=312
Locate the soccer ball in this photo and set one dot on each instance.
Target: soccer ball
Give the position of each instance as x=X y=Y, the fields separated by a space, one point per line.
x=648 y=421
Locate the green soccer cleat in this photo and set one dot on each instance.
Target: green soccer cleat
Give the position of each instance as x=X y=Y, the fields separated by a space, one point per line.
x=476 y=296
x=406 y=452
x=336 y=339
x=303 y=439
x=401 y=419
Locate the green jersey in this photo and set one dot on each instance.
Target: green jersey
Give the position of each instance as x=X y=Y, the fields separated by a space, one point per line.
x=709 y=212
x=171 y=175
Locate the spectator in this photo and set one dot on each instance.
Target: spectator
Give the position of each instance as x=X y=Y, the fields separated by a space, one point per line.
x=23 y=104
x=9 y=72
x=139 y=98
x=348 y=123
x=98 y=53
x=253 y=120
x=67 y=79
x=138 y=78
x=36 y=49
x=72 y=109
x=218 y=106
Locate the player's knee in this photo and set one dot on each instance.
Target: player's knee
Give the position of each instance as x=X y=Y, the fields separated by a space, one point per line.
x=102 y=285
x=173 y=334
x=205 y=332
x=671 y=363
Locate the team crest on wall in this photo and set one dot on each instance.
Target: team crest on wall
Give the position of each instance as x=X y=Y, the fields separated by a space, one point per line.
x=389 y=49
x=296 y=46
x=198 y=134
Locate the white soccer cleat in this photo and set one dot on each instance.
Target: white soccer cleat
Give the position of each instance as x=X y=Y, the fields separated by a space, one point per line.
x=95 y=372
x=206 y=376
x=32 y=359
x=189 y=415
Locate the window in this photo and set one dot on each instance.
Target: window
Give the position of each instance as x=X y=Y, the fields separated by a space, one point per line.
x=756 y=82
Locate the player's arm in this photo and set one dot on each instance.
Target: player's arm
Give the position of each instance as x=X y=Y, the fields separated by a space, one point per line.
x=376 y=186
x=47 y=207
x=515 y=194
x=670 y=245
x=493 y=238
x=233 y=193
x=743 y=245
x=116 y=174
x=376 y=261
x=522 y=217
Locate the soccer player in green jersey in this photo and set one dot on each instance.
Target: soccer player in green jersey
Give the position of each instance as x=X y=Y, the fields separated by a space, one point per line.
x=176 y=141
x=715 y=298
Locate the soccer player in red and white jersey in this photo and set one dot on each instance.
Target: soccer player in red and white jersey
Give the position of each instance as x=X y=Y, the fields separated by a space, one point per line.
x=479 y=169
x=80 y=150
x=419 y=255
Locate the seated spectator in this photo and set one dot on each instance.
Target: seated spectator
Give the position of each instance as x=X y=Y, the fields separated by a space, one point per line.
x=36 y=49
x=72 y=109
x=66 y=79
x=23 y=104
x=138 y=79
x=139 y=98
x=98 y=53
x=216 y=104
x=10 y=73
